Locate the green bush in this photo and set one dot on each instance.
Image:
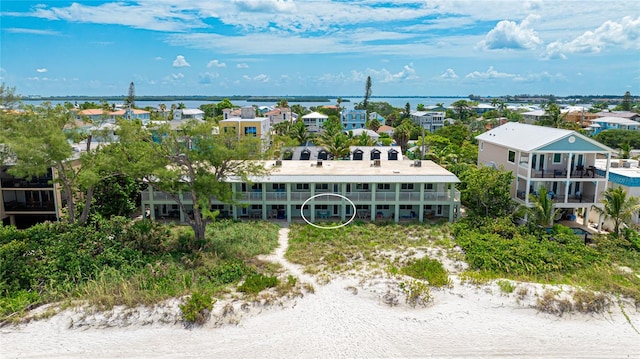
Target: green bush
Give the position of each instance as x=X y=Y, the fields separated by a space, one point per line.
x=229 y=272
x=255 y=283
x=428 y=269
x=416 y=293
x=197 y=308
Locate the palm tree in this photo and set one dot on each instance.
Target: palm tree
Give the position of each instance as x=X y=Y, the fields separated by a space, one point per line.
x=163 y=108
x=364 y=140
x=337 y=146
x=542 y=213
x=461 y=107
x=299 y=132
x=402 y=134
x=618 y=207
x=373 y=125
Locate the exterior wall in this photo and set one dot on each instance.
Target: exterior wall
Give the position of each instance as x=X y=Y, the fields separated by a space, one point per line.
x=256 y=127
x=353 y=119
x=384 y=201
x=24 y=202
x=430 y=121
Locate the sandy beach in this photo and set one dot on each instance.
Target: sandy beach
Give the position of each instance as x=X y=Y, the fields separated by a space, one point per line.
x=351 y=316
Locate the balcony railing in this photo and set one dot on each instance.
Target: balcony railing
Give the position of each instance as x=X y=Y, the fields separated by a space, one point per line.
x=18 y=206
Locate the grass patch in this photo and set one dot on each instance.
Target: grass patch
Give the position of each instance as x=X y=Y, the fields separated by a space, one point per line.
x=197 y=308
x=255 y=283
x=358 y=246
x=428 y=269
x=506 y=286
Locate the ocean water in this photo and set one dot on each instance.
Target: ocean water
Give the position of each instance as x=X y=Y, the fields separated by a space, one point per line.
x=348 y=102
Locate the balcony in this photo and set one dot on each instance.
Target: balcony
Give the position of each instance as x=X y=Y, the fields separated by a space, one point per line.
x=28 y=206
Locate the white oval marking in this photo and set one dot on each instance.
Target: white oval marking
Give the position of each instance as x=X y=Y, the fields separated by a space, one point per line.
x=333 y=195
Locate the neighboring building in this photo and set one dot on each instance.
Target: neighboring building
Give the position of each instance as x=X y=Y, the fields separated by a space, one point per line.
x=188 y=114
x=245 y=125
x=579 y=116
x=352 y=119
x=376 y=116
x=385 y=190
x=386 y=129
x=617 y=123
x=94 y=115
x=624 y=114
x=534 y=116
x=314 y=121
x=623 y=173
x=27 y=201
x=482 y=108
x=279 y=115
x=130 y=114
x=560 y=160
x=359 y=131
x=430 y=121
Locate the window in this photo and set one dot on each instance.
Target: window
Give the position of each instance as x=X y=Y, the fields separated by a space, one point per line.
x=384 y=206
x=257 y=187
x=383 y=186
x=256 y=206
x=512 y=156
x=302 y=186
x=362 y=207
x=322 y=186
x=428 y=186
x=362 y=186
x=217 y=207
x=322 y=206
x=481 y=145
x=406 y=206
x=298 y=207
x=407 y=186
x=277 y=186
x=250 y=131
x=557 y=158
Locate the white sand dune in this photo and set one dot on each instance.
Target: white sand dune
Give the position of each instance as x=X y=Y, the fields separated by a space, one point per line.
x=349 y=318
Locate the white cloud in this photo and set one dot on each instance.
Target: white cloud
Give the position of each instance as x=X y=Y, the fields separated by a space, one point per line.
x=259 y=78
x=177 y=76
x=242 y=66
x=42 y=70
x=491 y=73
x=19 y=30
x=158 y=58
x=449 y=74
x=509 y=35
x=384 y=76
x=208 y=77
x=625 y=34
x=180 y=61
x=216 y=63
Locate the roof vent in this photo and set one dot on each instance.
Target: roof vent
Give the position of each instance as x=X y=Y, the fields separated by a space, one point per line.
x=278 y=163
x=376 y=163
x=319 y=163
x=417 y=163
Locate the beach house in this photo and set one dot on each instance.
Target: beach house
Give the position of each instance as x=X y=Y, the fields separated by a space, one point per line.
x=562 y=161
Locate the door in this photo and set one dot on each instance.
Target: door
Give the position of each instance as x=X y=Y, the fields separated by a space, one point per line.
x=541 y=164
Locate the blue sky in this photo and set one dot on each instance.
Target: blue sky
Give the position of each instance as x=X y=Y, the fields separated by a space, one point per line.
x=316 y=47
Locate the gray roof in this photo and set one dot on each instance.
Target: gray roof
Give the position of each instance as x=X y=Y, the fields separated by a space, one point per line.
x=528 y=138
x=617 y=120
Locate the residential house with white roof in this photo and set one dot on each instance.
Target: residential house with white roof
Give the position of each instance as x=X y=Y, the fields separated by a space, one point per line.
x=247 y=124
x=482 y=108
x=314 y=121
x=429 y=120
x=617 y=123
x=378 y=190
x=623 y=173
x=562 y=161
x=534 y=116
x=188 y=114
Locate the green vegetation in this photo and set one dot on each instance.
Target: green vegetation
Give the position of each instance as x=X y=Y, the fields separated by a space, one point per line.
x=117 y=262
x=496 y=248
x=197 y=308
x=428 y=269
x=361 y=245
x=255 y=283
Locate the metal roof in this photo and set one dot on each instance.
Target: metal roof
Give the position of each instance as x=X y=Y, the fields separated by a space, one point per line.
x=528 y=138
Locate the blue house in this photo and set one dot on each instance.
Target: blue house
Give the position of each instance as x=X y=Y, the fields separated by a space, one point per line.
x=353 y=119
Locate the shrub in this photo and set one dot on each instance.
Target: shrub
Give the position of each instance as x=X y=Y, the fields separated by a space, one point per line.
x=428 y=269
x=506 y=286
x=197 y=308
x=229 y=272
x=416 y=293
x=257 y=282
x=590 y=302
x=549 y=303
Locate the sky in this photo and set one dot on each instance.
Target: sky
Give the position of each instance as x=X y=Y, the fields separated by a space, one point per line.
x=320 y=47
